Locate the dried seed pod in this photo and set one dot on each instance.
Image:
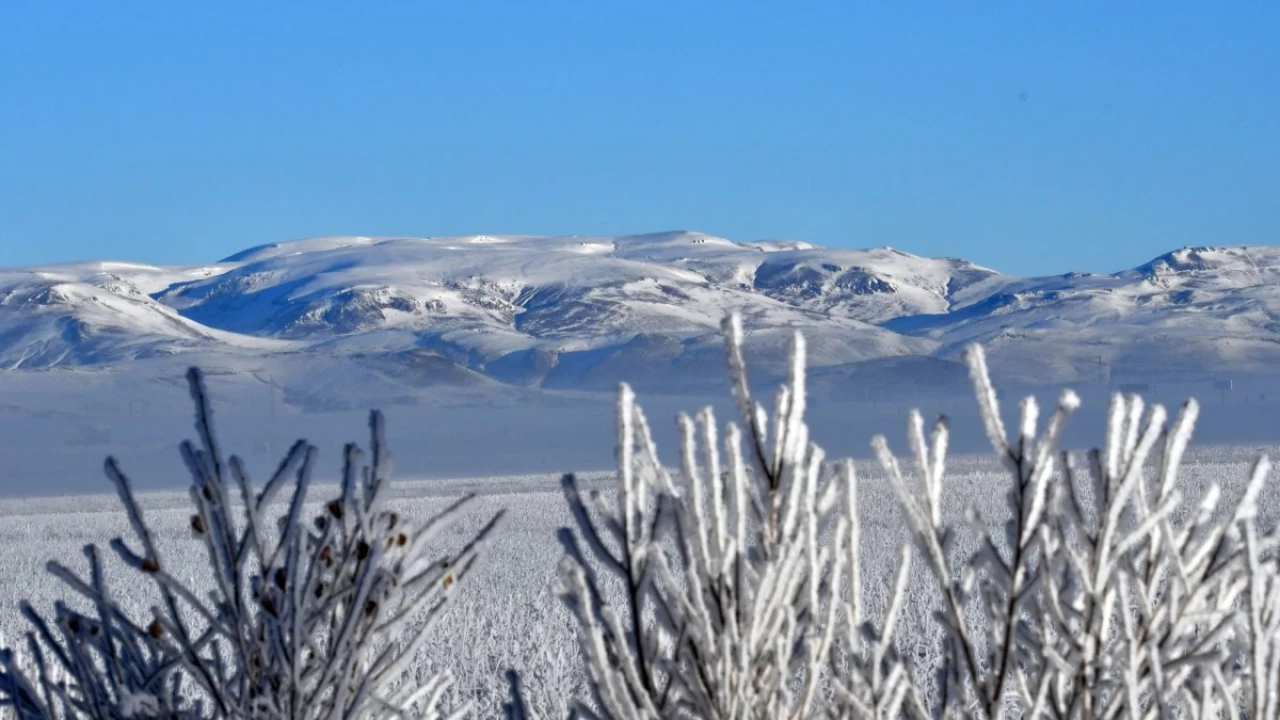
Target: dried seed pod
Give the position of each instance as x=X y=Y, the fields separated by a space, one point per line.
x=73 y=624
x=335 y=509
x=197 y=524
x=155 y=630
x=362 y=550
x=448 y=580
x=207 y=491
x=280 y=578
x=150 y=565
x=326 y=556
x=370 y=607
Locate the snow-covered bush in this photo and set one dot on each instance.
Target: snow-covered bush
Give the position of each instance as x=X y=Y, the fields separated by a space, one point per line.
x=738 y=592
x=302 y=617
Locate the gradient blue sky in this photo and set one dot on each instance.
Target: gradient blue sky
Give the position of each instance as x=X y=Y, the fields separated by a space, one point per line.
x=1033 y=137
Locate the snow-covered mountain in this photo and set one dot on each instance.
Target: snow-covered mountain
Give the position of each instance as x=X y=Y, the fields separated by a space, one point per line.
x=1193 y=312
x=581 y=313
x=101 y=313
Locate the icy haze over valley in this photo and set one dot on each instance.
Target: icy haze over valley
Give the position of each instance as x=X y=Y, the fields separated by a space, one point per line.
x=517 y=341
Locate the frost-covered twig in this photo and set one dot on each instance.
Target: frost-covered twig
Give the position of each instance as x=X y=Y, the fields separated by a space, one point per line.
x=737 y=583
x=319 y=619
x=1091 y=601
x=731 y=573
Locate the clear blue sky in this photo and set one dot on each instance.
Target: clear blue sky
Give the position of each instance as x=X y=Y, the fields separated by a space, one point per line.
x=1034 y=137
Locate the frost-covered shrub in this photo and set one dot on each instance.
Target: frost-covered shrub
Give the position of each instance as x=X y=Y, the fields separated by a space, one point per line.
x=304 y=617
x=738 y=592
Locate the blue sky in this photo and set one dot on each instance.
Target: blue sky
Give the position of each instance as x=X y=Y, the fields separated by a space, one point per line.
x=1030 y=137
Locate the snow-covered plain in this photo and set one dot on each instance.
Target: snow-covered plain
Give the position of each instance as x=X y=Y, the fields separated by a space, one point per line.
x=506 y=615
x=57 y=426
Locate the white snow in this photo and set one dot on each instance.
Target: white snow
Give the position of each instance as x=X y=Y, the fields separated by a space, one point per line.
x=478 y=299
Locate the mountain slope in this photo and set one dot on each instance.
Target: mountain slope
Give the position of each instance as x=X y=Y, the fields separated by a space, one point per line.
x=582 y=313
x=96 y=313
x=482 y=298
x=1191 y=311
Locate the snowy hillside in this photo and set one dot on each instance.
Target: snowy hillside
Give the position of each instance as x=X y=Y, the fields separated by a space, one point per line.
x=1191 y=312
x=101 y=313
x=581 y=313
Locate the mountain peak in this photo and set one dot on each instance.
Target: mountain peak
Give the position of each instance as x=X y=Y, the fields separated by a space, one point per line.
x=566 y=310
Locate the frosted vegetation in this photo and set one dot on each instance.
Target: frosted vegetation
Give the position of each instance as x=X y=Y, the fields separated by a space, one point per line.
x=758 y=579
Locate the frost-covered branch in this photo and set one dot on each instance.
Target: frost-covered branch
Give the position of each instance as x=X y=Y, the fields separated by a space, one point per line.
x=732 y=573
x=318 y=618
x=734 y=587
x=1091 y=600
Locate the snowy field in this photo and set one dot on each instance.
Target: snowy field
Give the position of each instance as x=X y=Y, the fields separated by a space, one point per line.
x=506 y=614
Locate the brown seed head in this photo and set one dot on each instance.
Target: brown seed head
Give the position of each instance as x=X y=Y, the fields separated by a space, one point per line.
x=335 y=509
x=155 y=630
x=197 y=524
x=150 y=565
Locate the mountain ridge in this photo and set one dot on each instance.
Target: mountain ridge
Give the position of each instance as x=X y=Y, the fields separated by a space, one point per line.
x=582 y=312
